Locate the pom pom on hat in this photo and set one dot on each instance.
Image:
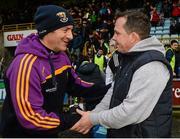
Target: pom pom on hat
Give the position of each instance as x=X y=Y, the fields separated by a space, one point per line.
x=51 y=17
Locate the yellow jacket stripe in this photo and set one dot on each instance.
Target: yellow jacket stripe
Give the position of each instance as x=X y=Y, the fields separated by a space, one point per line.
x=59 y=71
x=23 y=103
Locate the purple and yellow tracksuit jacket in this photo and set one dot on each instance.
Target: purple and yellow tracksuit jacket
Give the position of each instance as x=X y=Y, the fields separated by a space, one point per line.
x=36 y=82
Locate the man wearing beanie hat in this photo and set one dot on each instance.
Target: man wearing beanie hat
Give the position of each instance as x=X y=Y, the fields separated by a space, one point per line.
x=39 y=76
x=50 y=18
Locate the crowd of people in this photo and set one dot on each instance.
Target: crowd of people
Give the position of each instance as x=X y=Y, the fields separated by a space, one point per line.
x=94 y=28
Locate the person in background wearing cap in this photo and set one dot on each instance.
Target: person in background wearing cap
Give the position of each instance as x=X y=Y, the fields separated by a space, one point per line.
x=139 y=103
x=39 y=76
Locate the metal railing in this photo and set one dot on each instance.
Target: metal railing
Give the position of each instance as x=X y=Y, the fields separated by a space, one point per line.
x=27 y=26
x=18 y=27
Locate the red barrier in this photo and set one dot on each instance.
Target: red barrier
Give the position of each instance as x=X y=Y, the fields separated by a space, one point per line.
x=176 y=93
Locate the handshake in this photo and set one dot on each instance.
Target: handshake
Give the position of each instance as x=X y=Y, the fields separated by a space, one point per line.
x=69 y=118
x=76 y=119
x=72 y=109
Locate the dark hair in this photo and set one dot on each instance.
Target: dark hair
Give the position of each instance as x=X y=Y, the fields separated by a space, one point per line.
x=174 y=41
x=136 y=21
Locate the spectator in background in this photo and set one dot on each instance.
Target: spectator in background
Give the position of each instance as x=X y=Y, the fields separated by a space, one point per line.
x=104 y=30
x=38 y=78
x=173 y=29
x=88 y=51
x=147 y=8
x=170 y=54
x=93 y=19
x=100 y=60
x=76 y=44
x=103 y=45
x=103 y=12
x=139 y=103
x=175 y=10
x=155 y=17
x=166 y=9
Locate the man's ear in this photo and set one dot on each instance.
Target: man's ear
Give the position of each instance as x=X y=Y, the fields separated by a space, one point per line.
x=134 y=37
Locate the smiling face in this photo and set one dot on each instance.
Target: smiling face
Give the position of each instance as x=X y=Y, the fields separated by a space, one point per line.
x=131 y=26
x=174 y=45
x=59 y=39
x=121 y=37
